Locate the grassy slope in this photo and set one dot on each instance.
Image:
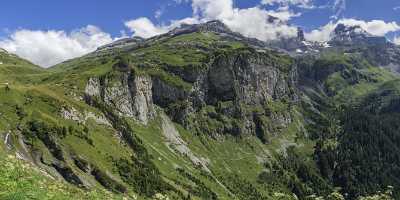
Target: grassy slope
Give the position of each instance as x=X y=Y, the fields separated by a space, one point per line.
x=42 y=101
x=56 y=87
x=28 y=99
x=20 y=180
x=241 y=158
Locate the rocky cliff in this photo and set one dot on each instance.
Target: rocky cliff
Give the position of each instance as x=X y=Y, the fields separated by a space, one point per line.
x=244 y=79
x=128 y=94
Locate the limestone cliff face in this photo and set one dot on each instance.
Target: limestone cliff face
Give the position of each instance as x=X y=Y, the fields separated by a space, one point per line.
x=249 y=78
x=241 y=85
x=128 y=94
x=238 y=85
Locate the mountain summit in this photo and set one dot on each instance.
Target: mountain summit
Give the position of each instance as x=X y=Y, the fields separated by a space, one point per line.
x=355 y=35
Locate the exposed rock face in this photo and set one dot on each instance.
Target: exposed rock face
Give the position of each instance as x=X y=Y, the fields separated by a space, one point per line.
x=93 y=87
x=75 y=115
x=244 y=80
x=376 y=49
x=142 y=98
x=233 y=84
x=71 y=114
x=130 y=95
x=165 y=94
x=355 y=35
x=250 y=79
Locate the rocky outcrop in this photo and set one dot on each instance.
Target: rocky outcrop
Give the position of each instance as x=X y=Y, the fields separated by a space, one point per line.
x=106 y=179
x=130 y=95
x=74 y=115
x=142 y=98
x=249 y=78
x=239 y=86
x=165 y=94
x=71 y=114
x=245 y=79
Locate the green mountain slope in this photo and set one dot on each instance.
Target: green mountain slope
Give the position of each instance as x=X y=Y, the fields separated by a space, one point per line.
x=14 y=69
x=198 y=113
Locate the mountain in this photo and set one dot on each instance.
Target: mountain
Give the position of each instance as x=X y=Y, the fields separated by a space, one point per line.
x=355 y=35
x=16 y=69
x=376 y=49
x=202 y=112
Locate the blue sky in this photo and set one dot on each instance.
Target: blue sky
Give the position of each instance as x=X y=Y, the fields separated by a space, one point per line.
x=72 y=14
x=63 y=29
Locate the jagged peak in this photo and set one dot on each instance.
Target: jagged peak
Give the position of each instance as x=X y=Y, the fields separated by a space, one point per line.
x=300 y=34
x=346 y=34
x=342 y=29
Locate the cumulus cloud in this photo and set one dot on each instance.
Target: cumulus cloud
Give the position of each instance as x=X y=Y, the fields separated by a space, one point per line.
x=145 y=28
x=237 y=19
x=374 y=27
x=396 y=40
x=322 y=34
x=47 y=48
x=259 y=27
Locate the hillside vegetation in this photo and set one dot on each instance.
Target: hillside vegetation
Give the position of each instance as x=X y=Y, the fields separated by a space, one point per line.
x=199 y=115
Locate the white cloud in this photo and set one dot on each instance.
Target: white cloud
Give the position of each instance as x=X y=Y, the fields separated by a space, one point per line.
x=251 y=22
x=283 y=13
x=396 y=8
x=322 y=34
x=299 y=3
x=213 y=9
x=238 y=19
x=259 y=27
x=47 y=48
x=396 y=40
x=374 y=27
x=143 y=27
